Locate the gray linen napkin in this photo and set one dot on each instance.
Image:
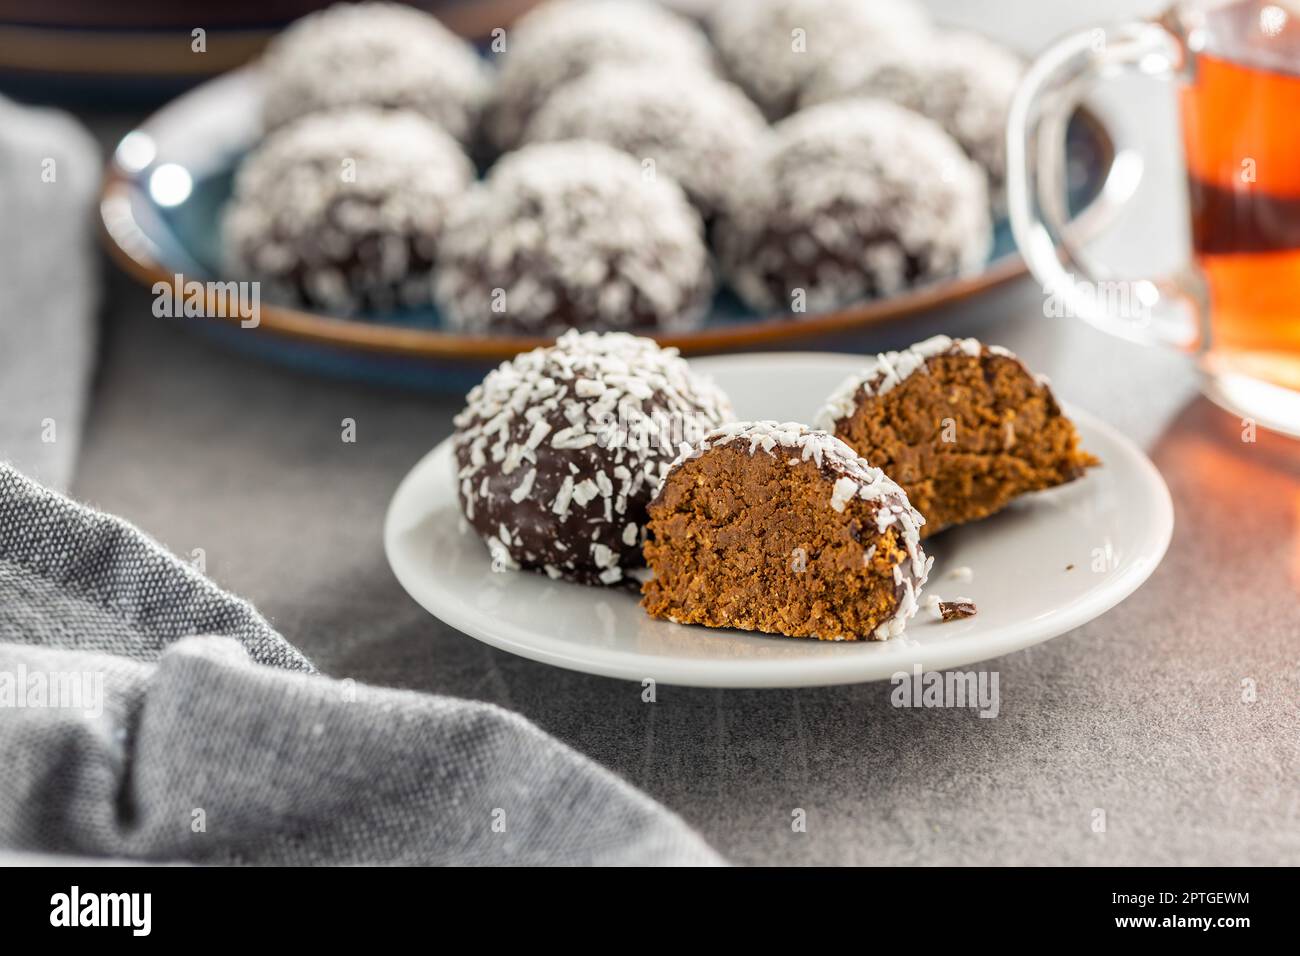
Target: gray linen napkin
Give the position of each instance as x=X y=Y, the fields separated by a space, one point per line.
x=49 y=178
x=146 y=714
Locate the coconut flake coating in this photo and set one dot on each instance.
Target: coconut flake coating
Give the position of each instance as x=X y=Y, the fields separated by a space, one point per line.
x=963 y=82
x=774 y=48
x=572 y=235
x=849 y=200
x=850 y=478
x=694 y=127
x=559 y=450
x=562 y=40
x=374 y=54
x=888 y=370
x=344 y=211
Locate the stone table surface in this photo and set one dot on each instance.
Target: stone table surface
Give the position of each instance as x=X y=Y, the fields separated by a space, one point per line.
x=1177 y=713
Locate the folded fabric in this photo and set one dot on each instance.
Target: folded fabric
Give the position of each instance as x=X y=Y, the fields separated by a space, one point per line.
x=146 y=714
x=49 y=178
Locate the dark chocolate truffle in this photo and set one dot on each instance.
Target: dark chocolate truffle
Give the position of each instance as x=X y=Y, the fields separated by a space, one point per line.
x=374 y=54
x=963 y=82
x=853 y=199
x=773 y=48
x=559 y=450
x=692 y=126
x=773 y=527
x=561 y=40
x=573 y=235
x=344 y=211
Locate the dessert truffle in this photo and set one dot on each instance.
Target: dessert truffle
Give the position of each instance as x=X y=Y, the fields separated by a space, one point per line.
x=383 y=55
x=561 y=40
x=777 y=528
x=965 y=428
x=559 y=450
x=344 y=211
x=963 y=82
x=572 y=235
x=694 y=127
x=773 y=48
x=852 y=199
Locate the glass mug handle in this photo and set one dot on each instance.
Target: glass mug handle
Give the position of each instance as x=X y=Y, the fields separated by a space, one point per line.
x=1164 y=310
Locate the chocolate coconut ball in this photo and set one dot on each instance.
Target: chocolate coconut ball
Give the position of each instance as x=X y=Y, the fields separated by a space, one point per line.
x=572 y=235
x=693 y=127
x=963 y=82
x=559 y=451
x=735 y=508
x=773 y=48
x=344 y=211
x=853 y=199
x=1014 y=439
x=561 y=40
x=374 y=54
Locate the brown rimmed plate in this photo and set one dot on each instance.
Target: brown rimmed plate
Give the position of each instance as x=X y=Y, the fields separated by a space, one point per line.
x=169 y=178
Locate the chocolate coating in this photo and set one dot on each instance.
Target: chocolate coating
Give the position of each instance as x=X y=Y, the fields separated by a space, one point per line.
x=694 y=128
x=572 y=235
x=962 y=81
x=852 y=199
x=774 y=48
x=345 y=211
x=382 y=55
x=561 y=40
x=559 y=451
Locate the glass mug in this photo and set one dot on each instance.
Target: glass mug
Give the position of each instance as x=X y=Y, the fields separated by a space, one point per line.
x=1236 y=305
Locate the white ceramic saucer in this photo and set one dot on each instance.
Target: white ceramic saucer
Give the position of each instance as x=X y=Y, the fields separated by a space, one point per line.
x=1051 y=562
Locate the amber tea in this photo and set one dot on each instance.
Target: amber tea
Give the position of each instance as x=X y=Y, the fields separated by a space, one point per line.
x=1241 y=131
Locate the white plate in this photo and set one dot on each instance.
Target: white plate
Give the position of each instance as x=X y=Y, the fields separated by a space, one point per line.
x=1051 y=562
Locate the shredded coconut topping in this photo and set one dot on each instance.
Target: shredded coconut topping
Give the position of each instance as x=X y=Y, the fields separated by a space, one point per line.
x=559 y=450
x=693 y=127
x=374 y=54
x=345 y=209
x=853 y=199
x=773 y=48
x=572 y=235
x=889 y=369
x=854 y=479
x=962 y=81
x=563 y=39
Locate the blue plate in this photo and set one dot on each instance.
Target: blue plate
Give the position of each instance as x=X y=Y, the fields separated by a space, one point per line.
x=170 y=177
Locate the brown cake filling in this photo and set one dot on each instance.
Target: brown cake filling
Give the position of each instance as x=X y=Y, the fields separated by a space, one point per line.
x=752 y=541
x=965 y=436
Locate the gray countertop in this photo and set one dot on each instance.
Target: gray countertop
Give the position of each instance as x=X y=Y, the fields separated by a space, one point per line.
x=1140 y=714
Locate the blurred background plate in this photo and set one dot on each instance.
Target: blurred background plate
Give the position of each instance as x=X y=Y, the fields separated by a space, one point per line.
x=171 y=175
